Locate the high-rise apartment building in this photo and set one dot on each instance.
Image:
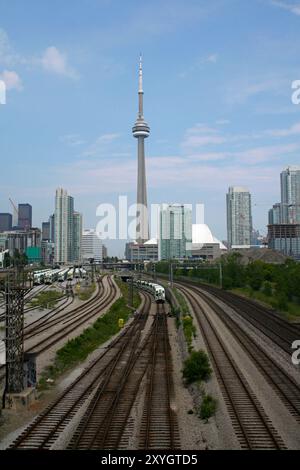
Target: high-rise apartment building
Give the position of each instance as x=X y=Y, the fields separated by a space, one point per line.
x=77 y=237
x=175 y=231
x=239 y=217
x=92 y=247
x=24 y=216
x=275 y=214
x=290 y=195
x=64 y=227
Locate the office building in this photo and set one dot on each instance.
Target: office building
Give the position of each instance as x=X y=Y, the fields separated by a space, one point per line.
x=92 y=247
x=24 y=216
x=140 y=252
x=21 y=240
x=239 y=217
x=46 y=231
x=5 y=222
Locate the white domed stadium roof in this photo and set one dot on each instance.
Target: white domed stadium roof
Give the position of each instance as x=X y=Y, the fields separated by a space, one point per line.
x=201 y=234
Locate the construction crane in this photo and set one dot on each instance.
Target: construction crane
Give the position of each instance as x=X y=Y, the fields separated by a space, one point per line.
x=16 y=212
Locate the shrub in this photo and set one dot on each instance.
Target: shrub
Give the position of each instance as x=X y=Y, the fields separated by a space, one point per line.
x=196 y=367
x=208 y=407
x=189 y=330
x=267 y=288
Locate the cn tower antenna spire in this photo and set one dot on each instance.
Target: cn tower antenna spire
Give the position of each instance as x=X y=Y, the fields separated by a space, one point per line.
x=141 y=75
x=141 y=131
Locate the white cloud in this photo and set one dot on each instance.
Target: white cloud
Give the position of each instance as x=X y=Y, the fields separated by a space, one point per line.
x=291 y=7
x=212 y=58
x=52 y=60
x=100 y=145
x=11 y=80
x=266 y=153
x=201 y=135
x=56 y=62
x=223 y=122
x=7 y=55
x=243 y=89
x=293 y=130
x=73 y=140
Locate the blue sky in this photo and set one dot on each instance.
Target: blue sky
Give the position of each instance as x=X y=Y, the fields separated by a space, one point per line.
x=217 y=83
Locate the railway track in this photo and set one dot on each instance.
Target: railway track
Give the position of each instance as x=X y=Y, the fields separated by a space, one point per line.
x=252 y=426
x=46 y=429
x=159 y=429
x=71 y=322
x=269 y=323
x=67 y=324
x=105 y=423
x=282 y=383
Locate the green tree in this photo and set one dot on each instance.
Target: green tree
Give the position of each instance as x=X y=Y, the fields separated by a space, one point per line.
x=6 y=260
x=255 y=274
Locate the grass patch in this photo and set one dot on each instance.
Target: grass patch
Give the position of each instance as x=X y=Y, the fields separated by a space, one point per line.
x=189 y=328
x=76 y=350
x=86 y=292
x=182 y=302
x=290 y=310
x=47 y=299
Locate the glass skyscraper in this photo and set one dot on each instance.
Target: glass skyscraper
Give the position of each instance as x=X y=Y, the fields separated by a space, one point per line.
x=64 y=227
x=290 y=195
x=175 y=240
x=239 y=217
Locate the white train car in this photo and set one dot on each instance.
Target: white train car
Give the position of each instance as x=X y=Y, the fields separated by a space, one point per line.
x=70 y=274
x=83 y=273
x=77 y=273
x=156 y=290
x=51 y=276
x=62 y=275
x=39 y=277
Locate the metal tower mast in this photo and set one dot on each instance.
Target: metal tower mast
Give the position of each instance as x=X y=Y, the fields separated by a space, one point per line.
x=141 y=131
x=15 y=288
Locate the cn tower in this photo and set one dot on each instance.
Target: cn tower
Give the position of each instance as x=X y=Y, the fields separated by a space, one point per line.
x=141 y=131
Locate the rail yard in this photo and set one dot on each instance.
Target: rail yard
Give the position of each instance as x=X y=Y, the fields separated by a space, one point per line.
x=129 y=393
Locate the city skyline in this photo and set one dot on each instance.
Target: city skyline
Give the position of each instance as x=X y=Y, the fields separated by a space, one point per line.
x=218 y=118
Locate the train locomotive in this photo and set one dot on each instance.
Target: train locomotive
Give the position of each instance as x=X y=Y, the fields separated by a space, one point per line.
x=156 y=290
